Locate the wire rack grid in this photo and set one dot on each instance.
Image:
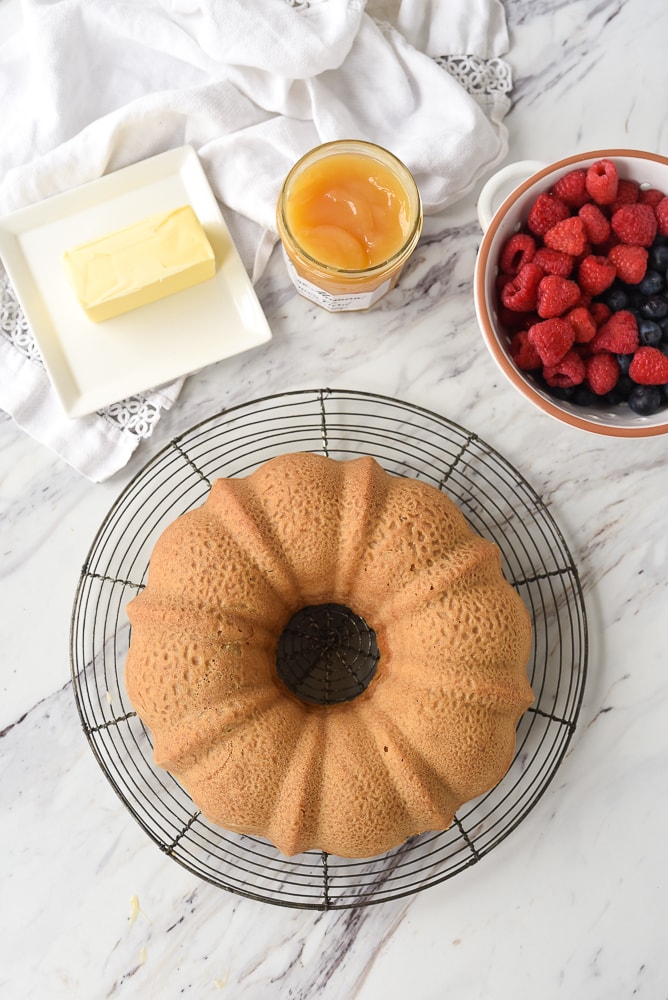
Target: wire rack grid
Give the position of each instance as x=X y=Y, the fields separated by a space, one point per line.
x=406 y=440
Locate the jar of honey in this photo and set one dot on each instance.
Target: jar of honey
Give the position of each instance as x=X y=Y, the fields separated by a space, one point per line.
x=349 y=216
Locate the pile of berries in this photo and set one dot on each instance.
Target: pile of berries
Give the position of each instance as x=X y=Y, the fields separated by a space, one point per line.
x=583 y=291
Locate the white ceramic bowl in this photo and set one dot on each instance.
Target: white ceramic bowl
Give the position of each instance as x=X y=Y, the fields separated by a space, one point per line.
x=501 y=215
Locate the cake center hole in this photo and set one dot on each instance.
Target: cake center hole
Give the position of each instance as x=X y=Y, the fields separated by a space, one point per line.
x=327 y=654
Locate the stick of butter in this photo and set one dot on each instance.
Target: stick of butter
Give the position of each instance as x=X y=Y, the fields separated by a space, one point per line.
x=160 y=255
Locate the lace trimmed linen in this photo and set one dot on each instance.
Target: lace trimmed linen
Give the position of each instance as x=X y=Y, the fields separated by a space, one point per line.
x=138 y=415
x=13 y=324
x=481 y=78
x=244 y=95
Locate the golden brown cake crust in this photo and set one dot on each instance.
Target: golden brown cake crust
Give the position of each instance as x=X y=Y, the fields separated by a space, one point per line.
x=436 y=725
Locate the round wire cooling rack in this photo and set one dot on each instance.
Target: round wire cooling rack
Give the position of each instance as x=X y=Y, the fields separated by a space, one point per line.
x=406 y=440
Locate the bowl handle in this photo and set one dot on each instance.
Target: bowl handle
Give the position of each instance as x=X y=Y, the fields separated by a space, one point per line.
x=500 y=184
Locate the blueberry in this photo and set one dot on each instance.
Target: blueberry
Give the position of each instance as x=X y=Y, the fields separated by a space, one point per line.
x=624 y=362
x=654 y=307
x=645 y=400
x=583 y=396
x=652 y=283
x=564 y=393
x=658 y=257
x=614 y=397
x=625 y=386
x=649 y=332
x=663 y=323
x=616 y=297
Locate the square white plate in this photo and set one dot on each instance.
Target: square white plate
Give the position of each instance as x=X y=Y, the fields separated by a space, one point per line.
x=94 y=364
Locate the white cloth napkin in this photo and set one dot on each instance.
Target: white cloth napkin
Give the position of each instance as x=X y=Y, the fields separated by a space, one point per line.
x=252 y=85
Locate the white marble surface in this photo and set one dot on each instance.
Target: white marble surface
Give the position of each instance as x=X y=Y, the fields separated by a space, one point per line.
x=573 y=903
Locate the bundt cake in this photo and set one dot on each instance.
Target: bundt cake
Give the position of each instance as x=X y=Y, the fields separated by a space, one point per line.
x=434 y=728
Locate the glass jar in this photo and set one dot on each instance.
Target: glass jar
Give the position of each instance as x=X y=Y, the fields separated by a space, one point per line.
x=349 y=216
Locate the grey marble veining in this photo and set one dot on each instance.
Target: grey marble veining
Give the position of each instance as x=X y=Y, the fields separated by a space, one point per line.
x=572 y=904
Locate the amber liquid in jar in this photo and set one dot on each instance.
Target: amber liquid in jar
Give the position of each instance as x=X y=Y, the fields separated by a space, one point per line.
x=349 y=216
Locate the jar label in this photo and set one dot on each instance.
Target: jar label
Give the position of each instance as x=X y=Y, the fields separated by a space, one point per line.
x=329 y=300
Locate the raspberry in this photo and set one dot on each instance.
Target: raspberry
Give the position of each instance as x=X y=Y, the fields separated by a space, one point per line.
x=583 y=323
x=523 y=353
x=518 y=251
x=587 y=250
x=592 y=237
x=555 y=295
x=572 y=188
x=661 y=212
x=553 y=261
x=545 y=212
x=600 y=312
x=567 y=372
x=501 y=280
x=602 y=182
x=597 y=227
x=648 y=367
x=595 y=274
x=602 y=373
x=635 y=224
x=619 y=334
x=519 y=294
x=603 y=249
x=511 y=320
x=650 y=196
x=630 y=262
x=552 y=339
x=567 y=235
x=628 y=192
